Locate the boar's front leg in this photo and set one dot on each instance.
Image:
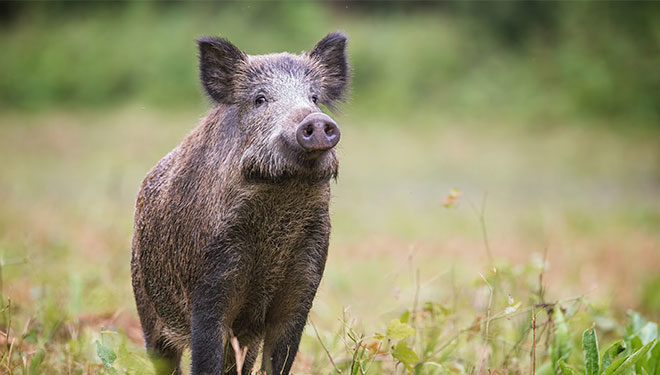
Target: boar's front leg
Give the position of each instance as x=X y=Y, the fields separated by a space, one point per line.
x=281 y=346
x=287 y=316
x=207 y=339
x=207 y=344
x=285 y=323
x=208 y=334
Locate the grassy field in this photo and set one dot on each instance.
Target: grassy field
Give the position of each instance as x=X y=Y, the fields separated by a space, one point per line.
x=498 y=196
x=570 y=208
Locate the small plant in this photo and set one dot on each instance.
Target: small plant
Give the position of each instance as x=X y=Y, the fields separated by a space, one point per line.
x=638 y=352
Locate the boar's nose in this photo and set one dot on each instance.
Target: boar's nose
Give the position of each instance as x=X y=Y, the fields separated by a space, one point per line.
x=317 y=132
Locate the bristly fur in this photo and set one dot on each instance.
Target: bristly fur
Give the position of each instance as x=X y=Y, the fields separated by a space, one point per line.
x=232 y=226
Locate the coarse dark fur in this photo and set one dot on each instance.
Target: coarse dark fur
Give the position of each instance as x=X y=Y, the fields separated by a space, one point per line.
x=232 y=226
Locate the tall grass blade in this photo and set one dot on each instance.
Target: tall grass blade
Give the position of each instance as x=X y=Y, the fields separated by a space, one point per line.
x=654 y=360
x=590 y=349
x=561 y=347
x=37 y=360
x=614 y=365
x=611 y=353
x=619 y=367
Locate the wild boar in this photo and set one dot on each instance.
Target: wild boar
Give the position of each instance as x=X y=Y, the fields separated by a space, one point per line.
x=232 y=226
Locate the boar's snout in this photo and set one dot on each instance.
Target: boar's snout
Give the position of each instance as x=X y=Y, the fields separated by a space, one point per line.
x=317 y=132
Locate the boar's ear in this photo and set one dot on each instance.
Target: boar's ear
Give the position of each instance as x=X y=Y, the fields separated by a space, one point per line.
x=331 y=53
x=219 y=62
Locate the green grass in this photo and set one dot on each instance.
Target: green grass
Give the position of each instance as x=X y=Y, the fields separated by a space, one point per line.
x=583 y=199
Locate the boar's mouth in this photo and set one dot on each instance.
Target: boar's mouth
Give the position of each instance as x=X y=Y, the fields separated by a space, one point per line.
x=287 y=161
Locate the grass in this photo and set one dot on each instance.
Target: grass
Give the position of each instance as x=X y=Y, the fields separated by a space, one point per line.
x=571 y=215
x=547 y=150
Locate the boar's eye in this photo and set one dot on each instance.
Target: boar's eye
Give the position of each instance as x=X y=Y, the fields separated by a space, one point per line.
x=260 y=100
x=315 y=99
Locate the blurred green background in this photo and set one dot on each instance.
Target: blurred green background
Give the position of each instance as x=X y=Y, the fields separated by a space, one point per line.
x=540 y=60
x=545 y=113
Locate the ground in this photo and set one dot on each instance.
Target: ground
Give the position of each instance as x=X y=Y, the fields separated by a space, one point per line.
x=581 y=200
